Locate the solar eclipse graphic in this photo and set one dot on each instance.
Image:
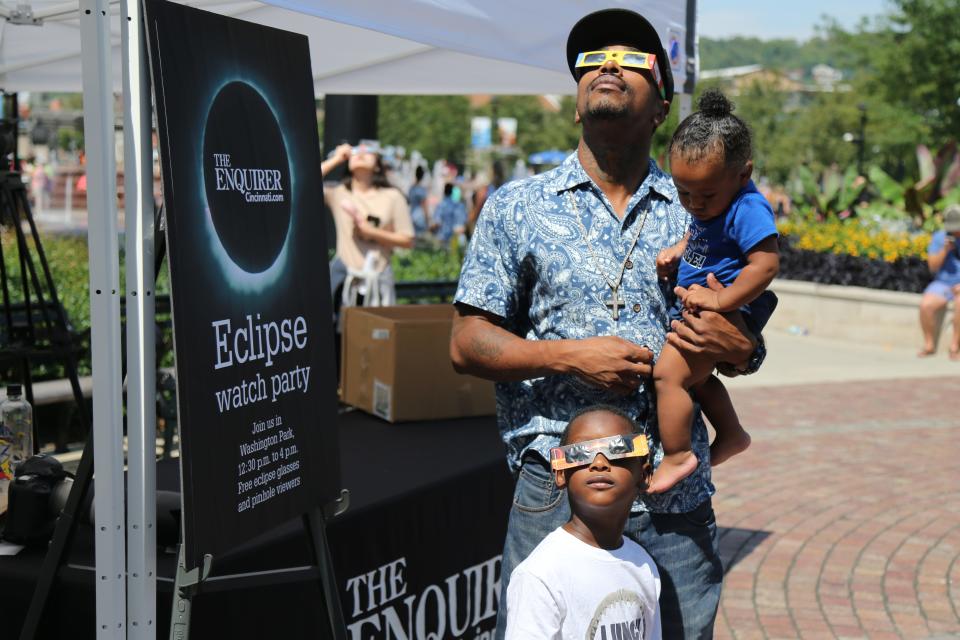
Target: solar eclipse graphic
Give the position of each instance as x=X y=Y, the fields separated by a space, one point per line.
x=240 y=158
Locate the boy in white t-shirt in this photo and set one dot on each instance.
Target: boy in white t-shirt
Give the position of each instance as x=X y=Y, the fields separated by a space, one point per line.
x=585 y=580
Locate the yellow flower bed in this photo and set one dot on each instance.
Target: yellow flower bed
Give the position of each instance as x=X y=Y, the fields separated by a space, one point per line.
x=852 y=238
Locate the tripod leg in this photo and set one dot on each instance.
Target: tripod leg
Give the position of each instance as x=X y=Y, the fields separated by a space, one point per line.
x=30 y=269
x=56 y=326
x=7 y=313
x=58 y=546
x=58 y=308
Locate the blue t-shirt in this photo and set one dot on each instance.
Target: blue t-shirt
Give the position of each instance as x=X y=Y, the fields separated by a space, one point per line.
x=720 y=245
x=449 y=214
x=949 y=273
x=416 y=197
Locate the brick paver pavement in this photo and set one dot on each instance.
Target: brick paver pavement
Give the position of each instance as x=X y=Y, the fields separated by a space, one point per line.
x=843 y=518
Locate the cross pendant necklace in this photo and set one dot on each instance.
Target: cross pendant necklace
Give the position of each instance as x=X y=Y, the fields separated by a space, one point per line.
x=616 y=302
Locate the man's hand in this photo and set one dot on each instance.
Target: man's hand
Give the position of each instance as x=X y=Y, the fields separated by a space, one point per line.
x=720 y=337
x=956 y=289
x=668 y=260
x=609 y=362
x=480 y=346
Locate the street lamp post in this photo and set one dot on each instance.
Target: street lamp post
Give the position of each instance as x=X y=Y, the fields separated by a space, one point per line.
x=861 y=139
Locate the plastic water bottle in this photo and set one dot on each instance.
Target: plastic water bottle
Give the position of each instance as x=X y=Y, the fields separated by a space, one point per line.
x=16 y=418
x=6 y=464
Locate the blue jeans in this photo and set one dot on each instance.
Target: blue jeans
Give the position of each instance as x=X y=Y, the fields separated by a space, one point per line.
x=684 y=546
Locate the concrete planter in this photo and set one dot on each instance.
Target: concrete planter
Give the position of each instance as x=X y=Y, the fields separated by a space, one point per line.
x=889 y=318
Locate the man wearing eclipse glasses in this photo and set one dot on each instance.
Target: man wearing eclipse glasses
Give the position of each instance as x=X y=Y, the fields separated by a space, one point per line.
x=559 y=303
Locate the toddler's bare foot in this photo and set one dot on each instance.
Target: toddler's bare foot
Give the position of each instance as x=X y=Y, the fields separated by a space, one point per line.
x=725 y=447
x=673 y=468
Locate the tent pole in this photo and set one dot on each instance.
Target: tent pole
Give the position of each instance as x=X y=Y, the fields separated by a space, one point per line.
x=104 y=318
x=141 y=335
x=693 y=63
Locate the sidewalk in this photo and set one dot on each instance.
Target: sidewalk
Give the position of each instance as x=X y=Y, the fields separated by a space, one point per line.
x=795 y=359
x=842 y=520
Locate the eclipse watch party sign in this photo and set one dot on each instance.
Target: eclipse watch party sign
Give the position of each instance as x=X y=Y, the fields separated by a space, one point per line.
x=252 y=320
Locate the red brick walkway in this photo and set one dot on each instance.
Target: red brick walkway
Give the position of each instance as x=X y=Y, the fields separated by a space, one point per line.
x=843 y=519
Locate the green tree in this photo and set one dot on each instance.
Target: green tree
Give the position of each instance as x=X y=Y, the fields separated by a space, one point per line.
x=436 y=126
x=907 y=60
x=763 y=106
x=777 y=54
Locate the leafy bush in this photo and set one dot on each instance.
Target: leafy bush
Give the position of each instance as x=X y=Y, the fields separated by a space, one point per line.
x=830 y=194
x=67 y=257
x=426 y=264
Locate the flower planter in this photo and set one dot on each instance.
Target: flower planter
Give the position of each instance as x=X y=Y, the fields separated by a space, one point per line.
x=903 y=274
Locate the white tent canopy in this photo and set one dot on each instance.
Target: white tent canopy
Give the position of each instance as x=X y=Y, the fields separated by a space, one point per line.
x=357 y=47
x=365 y=46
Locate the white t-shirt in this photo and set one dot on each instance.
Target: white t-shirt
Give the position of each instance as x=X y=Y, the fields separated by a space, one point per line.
x=569 y=590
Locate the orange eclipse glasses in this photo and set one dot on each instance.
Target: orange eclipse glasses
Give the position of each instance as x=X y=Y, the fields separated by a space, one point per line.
x=628 y=59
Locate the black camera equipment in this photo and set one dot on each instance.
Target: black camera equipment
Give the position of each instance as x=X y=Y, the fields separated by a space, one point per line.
x=30 y=519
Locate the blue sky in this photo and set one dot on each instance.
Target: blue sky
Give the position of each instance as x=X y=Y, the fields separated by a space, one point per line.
x=779 y=18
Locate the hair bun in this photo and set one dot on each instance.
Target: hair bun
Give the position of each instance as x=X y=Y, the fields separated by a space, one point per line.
x=714 y=104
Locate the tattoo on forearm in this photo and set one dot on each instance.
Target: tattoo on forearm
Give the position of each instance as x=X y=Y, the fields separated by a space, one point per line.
x=488 y=347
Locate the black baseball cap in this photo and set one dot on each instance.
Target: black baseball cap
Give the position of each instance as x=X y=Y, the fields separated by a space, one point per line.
x=618 y=26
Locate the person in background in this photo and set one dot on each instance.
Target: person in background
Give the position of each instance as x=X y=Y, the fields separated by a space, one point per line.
x=40 y=186
x=450 y=216
x=372 y=219
x=482 y=193
x=943 y=258
x=417 y=199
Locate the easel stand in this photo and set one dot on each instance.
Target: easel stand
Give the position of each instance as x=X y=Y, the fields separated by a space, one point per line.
x=188 y=583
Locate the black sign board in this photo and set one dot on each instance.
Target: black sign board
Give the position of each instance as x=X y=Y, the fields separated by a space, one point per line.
x=248 y=269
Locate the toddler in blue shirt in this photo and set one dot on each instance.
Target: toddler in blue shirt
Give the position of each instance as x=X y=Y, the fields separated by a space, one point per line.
x=733 y=236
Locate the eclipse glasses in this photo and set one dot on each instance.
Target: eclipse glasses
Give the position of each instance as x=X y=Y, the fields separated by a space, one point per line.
x=629 y=59
x=366 y=146
x=612 y=447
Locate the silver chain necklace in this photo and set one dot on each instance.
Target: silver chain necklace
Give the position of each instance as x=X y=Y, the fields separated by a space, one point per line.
x=615 y=300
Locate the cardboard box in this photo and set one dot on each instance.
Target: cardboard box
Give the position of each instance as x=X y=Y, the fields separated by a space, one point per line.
x=396 y=364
